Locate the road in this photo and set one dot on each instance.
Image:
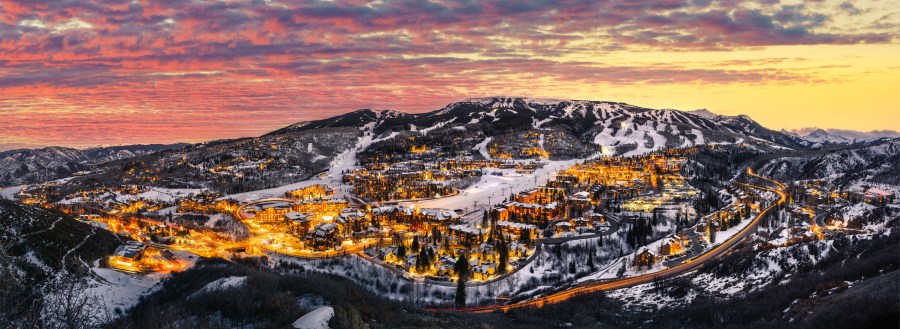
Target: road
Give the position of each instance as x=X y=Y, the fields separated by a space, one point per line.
x=595 y=286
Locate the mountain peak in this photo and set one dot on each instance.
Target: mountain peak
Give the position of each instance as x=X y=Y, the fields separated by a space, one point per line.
x=704 y=113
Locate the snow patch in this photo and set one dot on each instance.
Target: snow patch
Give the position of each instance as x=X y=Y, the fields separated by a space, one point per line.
x=317 y=319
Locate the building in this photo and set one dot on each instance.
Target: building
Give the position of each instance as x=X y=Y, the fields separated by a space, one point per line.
x=272 y=212
x=298 y=222
x=645 y=257
x=671 y=246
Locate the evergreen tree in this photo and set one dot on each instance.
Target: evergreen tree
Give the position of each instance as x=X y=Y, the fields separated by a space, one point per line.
x=401 y=251
x=423 y=261
x=415 y=244
x=590 y=260
x=462 y=275
x=503 y=260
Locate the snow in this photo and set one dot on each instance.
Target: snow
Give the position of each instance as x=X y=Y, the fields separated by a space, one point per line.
x=10 y=193
x=492 y=189
x=213 y=219
x=344 y=161
x=436 y=126
x=725 y=235
x=113 y=289
x=704 y=113
x=482 y=148
x=700 y=140
x=222 y=284
x=317 y=319
x=275 y=192
x=167 y=195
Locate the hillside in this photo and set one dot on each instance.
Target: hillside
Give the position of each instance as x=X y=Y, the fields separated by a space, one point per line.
x=45 y=240
x=224 y=166
x=504 y=128
x=25 y=166
x=620 y=126
x=877 y=161
x=37 y=245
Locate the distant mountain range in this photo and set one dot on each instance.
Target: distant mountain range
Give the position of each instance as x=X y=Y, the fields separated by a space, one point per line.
x=302 y=149
x=24 y=166
x=840 y=136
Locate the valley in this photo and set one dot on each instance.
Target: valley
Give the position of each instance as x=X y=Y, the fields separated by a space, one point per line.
x=487 y=206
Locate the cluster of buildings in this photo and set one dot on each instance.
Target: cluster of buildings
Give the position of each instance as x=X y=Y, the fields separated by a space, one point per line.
x=137 y=257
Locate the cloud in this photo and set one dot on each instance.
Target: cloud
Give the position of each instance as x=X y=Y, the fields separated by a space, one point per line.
x=88 y=66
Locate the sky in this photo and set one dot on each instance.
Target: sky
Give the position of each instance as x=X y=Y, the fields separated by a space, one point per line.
x=87 y=73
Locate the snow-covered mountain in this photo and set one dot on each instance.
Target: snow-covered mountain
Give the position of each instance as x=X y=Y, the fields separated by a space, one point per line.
x=37 y=165
x=819 y=137
x=822 y=136
x=25 y=166
x=610 y=124
x=877 y=161
x=228 y=166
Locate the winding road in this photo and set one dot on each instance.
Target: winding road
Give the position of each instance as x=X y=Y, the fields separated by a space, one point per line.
x=686 y=267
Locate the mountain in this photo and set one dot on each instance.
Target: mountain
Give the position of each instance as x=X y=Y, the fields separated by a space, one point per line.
x=44 y=240
x=877 y=161
x=626 y=128
x=227 y=166
x=480 y=127
x=823 y=137
x=844 y=136
x=40 y=250
x=24 y=166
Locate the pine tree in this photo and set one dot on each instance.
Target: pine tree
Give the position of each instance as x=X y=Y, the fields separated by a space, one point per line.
x=415 y=244
x=462 y=275
x=503 y=260
x=423 y=261
x=590 y=260
x=401 y=251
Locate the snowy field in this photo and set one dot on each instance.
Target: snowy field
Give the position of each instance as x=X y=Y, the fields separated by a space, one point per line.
x=10 y=193
x=117 y=290
x=316 y=319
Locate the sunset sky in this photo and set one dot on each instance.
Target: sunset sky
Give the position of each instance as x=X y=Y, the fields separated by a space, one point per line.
x=84 y=73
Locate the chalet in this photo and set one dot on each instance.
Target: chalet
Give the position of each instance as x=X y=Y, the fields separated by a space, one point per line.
x=317 y=191
x=410 y=261
x=645 y=257
x=484 y=270
x=671 y=246
x=519 y=211
x=485 y=251
x=517 y=229
x=445 y=266
x=389 y=254
x=517 y=249
x=439 y=215
x=581 y=222
x=466 y=234
x=563 y=227
x=594 y=217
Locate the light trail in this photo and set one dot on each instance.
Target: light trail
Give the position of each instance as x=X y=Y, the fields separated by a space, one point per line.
x=595 y=286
